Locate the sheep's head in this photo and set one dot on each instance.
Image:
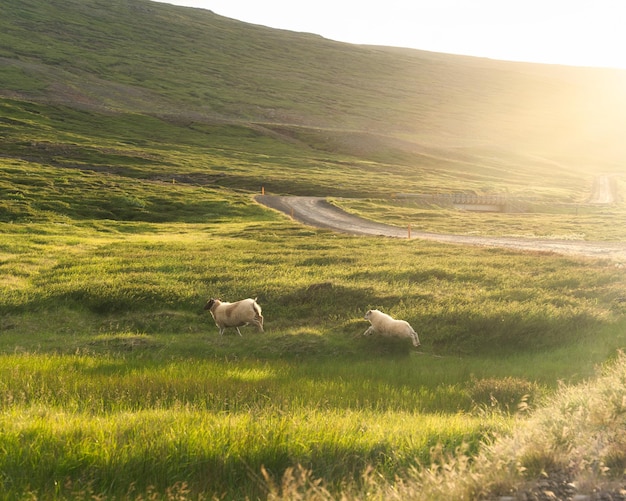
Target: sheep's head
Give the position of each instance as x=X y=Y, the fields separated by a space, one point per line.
x=368 y=315
x=210 y=303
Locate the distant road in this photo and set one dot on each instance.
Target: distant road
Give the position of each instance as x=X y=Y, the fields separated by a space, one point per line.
x=316 y=211
x=602 y=191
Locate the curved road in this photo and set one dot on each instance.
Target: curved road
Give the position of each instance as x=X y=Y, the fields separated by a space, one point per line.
x=316 y=211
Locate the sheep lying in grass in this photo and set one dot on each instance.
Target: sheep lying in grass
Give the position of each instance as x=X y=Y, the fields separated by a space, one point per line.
x=236 y=315
x=385 y=325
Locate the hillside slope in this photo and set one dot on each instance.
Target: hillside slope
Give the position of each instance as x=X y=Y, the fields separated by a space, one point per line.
x=190 y=65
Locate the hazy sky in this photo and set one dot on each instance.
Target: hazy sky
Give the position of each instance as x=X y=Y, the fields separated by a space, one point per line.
x=576 y=32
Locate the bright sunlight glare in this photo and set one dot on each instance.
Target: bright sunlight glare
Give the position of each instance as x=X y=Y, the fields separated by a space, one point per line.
x=569 y=32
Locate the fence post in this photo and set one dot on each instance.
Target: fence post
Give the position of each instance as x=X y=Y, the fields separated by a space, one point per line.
x=409 y=231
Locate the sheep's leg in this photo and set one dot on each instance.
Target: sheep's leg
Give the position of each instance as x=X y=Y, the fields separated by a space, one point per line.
x=415 y=339
x=238 y=331
x=368 y=331
x=222 y=329
x=259 y=324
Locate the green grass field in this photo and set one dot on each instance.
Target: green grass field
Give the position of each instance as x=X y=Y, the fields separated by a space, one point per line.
x=131 y=148
x=115 y=382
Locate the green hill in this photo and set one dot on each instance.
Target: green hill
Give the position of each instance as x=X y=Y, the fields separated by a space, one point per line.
x=189 y=66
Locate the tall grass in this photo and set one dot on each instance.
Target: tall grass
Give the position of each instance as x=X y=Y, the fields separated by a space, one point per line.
x=47 y=450
x=573 y=446
x=462 y=303
x=116 y=383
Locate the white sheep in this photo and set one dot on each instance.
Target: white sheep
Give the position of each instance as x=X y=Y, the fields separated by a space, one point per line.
x=387 y=326
x=236 y=315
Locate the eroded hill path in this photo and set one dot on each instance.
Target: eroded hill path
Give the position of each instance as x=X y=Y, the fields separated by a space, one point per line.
x=318 y=212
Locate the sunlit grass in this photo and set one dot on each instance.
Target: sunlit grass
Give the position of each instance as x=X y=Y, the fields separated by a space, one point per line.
x=55 y=154
x=110 y=363
x=574 y=442
x=131 y=452
x=113 y=368
x=118 y=379
x=132 y=419
x=461 y=302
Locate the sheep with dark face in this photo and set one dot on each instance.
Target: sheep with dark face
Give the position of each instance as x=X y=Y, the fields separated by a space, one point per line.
x=385 y=325
x=236 y=314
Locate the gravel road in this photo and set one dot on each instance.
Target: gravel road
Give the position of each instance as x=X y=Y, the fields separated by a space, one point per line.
x=316 y=211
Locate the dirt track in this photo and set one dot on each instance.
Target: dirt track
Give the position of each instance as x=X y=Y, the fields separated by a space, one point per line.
x=602 y=192
x=316 y=211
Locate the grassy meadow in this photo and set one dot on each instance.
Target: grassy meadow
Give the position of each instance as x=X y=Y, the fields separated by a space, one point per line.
x=133 y=138
x=115 y=382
